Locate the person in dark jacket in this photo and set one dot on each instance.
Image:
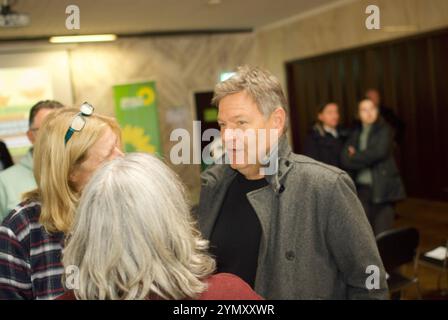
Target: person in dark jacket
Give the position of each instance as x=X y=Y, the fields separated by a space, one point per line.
x=326 y=139
x=5 y=157
x=368 y=155
x=388 y=114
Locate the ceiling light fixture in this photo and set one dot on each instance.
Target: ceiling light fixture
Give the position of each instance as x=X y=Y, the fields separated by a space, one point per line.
x=10 y=18
x=84 y=38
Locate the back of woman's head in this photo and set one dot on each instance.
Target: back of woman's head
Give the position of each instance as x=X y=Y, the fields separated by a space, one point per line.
x=134 y=237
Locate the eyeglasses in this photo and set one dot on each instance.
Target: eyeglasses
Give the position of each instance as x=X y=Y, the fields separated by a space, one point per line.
x=79 y=121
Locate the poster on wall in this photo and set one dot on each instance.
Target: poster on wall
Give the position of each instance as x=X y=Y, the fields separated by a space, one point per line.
x=20 y=88
x=136 y=112
x=26 y=78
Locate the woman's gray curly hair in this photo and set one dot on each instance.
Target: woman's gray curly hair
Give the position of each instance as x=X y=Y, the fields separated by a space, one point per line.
x=134 y=236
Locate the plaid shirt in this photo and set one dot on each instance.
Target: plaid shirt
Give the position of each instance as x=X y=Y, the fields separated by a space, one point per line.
x=30 y=257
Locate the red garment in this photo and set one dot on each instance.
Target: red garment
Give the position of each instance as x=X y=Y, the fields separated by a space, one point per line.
x=221 y=286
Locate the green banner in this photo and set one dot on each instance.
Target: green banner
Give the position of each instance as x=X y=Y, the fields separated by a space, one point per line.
x=136 y=112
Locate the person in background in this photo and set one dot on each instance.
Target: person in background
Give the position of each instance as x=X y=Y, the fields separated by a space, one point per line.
x=134 y=238
x=69 y=148
x=18 y=179
x=387 y=114
x=5 y=157
x=368 y=155
x=294 y=231
x=326 y=139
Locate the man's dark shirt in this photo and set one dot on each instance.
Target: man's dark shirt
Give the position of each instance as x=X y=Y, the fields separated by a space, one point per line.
x=235 y=238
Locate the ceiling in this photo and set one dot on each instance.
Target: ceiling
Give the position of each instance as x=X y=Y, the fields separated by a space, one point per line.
x=153 y=16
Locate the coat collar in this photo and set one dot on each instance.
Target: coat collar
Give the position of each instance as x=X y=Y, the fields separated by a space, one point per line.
x=216 y=183
x=279 y=159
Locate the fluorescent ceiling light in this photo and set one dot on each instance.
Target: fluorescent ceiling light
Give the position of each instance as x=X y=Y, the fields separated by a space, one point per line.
x=84 y=38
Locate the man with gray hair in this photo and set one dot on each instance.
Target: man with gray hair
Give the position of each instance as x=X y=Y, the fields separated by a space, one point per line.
x=295 y=232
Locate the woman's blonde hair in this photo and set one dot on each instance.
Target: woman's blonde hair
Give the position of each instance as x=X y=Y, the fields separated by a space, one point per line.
x=54 y=161
x=134 y=237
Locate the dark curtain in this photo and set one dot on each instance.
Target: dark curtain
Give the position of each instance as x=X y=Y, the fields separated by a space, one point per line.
x=411 y=75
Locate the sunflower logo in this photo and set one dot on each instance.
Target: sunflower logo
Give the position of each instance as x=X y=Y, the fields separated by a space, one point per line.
x=135 y=140
x=148 y=95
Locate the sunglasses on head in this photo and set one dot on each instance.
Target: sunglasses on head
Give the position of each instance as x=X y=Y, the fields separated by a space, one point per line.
x=79 y=121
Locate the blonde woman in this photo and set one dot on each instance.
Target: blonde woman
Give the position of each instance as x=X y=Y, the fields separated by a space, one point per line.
x=70 y=146
x=133 y=238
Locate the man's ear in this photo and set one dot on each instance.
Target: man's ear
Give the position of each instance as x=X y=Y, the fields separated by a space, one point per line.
x=279 y=119
x=30 y=136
